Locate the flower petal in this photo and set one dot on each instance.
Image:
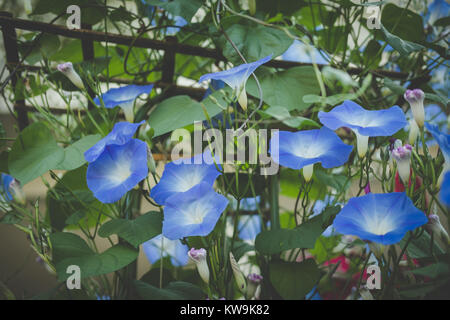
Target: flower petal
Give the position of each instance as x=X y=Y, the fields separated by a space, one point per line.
x=174 y=249
x=117 y=96
x=117 y=170
x=370 y=123
x=181 y=177
x=302 y=148
x=120 y=134
x=237 y=76
x=381 y=218
x=193 y=213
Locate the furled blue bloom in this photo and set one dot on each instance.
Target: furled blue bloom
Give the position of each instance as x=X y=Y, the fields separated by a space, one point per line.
x=445 y=189
x=193 y=213
x=365 y=123
x=117 y=170
x=380 y=218
x=249 y=226
x=299 y=52
x=237 y=77
x=5 y=191
x=181 y=177
x=174 y=249
x=302 y=149
x=123 y=97
x=120 y=134
x=10 y=190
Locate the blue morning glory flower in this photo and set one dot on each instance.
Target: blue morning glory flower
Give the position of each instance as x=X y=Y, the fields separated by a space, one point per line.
x=117 y=170
x=193 y=213
x=302 y=149
x=181 y=177
x=120 y=134
x=5 y=192
x=445 y=189
x=174 y=249
x=298 y=52
x=380 y=218
x=123 y=97
x=364 y=123
x=249 y=226
x=10 y=190
x=237 y=77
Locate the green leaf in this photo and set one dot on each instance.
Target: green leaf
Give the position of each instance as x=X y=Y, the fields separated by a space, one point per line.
x=304 y=236
x=181 y=8
x=70 y=249
x=340 y=97
x=402 y=23
x=92 y=11
x=292 y=280
x=254 y=41
x=420 y=247
x=433 y=270
x=37 y=49
x=286 y=88
x=402 y=46
x=282 y=114
x=74 y=154
x=394 y=87
x=437 y=98
x=179 y=111
x=34 y=152
x=70 y=202
x=135 y=231
x=177 y=290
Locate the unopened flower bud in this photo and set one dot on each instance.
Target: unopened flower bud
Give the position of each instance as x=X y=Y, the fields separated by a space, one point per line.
x=68 y=70
x=434 y=225
x=238 y=275
x=199 y=257
x=415 y=99
x=17 y=192
x=308 y=172
x=413 y=132
x=402 y=155
x=242 y=99
x=362 y=144
x=253 y=281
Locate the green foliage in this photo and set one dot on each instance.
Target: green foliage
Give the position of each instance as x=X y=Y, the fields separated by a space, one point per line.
x=177 y=290
x=70 y=249
x=293 y=280
x=286 y=88
x=180 y=111
x=304 y=236
x=253 y=41
x=134 y=231
x=34 y=152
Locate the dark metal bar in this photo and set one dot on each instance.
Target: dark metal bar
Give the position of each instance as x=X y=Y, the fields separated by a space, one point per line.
x=12 y=57
x=160 y=45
